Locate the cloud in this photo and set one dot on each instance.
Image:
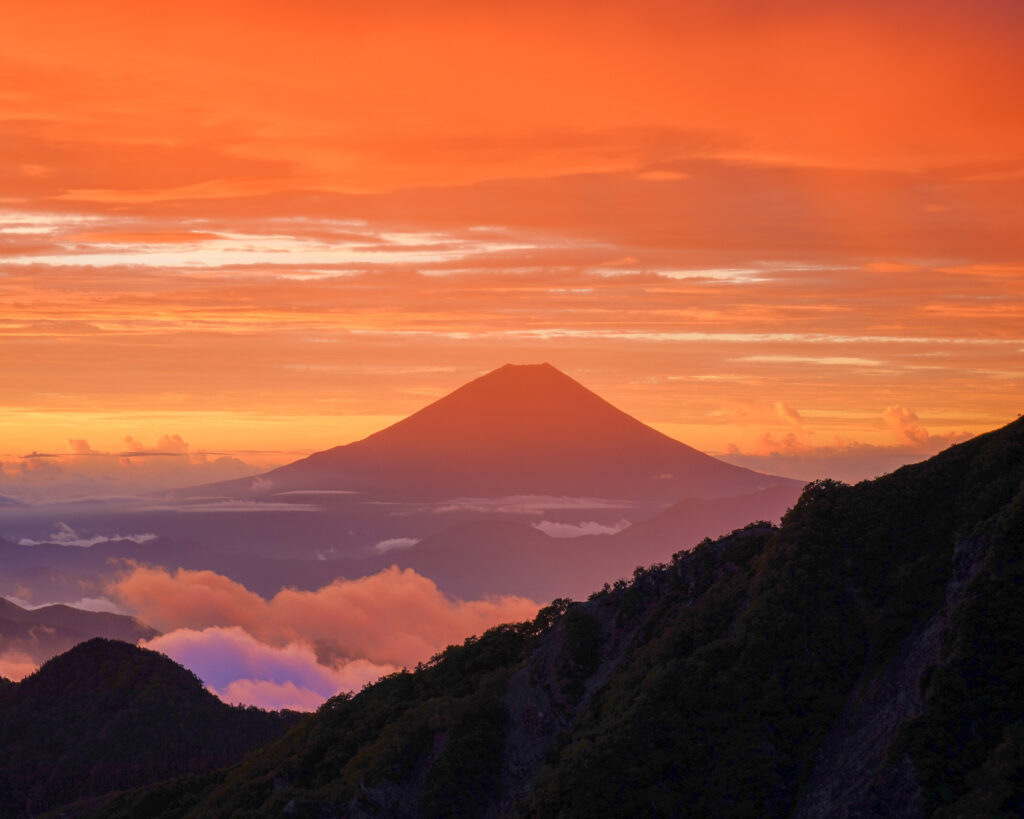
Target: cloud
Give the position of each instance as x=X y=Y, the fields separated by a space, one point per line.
x=84 y=469
x=788 y=413
x=240 y=668
x=191 y=506
x=336 y=637
x=849 y=461
x=396 y=543
x=98 y=604
x=271 y=695
x=590 y=527
x=16 y=665
x=906 y=425
x=527 y=504
x=66 y=536
x=395 y=616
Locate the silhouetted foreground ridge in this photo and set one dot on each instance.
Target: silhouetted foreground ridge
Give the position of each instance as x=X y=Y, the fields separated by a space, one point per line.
x=866 y=658
x=107 y=715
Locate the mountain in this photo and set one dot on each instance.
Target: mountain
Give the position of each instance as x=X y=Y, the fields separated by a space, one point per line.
x=42 y=633
x=527 y=429
x=863 y=659
x=107 y=715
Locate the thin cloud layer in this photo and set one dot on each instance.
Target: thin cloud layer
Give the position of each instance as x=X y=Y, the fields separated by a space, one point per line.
x=553 y=528
x=339 y=636
x=64 y=535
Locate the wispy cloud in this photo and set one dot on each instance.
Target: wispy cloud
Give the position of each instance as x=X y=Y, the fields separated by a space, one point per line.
x=64 y=535
x=589 y=527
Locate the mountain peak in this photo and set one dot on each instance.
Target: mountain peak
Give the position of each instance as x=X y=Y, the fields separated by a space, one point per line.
x=522 y=429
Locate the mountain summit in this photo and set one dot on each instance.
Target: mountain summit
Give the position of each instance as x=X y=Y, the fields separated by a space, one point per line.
x=520 y=429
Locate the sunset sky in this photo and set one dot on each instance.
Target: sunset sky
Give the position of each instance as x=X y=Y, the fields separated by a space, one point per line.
x=791 y=233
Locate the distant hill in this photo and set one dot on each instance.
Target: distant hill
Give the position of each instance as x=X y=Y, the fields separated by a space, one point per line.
x=42 y=633
x=106 y=716
x=527 y=429
x=865 y=658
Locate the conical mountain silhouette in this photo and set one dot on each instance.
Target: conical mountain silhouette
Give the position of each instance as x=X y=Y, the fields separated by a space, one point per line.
x=520 y=429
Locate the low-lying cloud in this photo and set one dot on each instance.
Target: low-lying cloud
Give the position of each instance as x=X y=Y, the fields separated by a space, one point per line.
x=395 y=543
x=133 y=468
x=528 y=504
x=64 y=535
x=589 y=527
x=241 y=669
x=337 y=637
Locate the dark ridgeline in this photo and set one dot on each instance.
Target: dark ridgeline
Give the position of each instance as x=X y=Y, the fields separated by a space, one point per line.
x=520 y=429
x=864 y=659
x=109 y=716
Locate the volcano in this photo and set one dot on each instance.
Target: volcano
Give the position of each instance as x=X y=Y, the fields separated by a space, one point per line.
x=518 y=430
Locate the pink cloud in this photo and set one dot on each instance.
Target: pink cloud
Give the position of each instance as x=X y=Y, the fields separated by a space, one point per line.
x=906 y=425
x=271 y=695
x=300 y=645
x=240 y=668
x=84 y=469
x=788 y=413
x=393 y=617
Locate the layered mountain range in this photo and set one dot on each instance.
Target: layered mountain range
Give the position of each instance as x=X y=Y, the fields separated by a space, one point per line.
x=864 y=658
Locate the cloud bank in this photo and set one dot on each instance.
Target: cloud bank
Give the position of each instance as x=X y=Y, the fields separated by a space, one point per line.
x=301 y=647
x=241 y=669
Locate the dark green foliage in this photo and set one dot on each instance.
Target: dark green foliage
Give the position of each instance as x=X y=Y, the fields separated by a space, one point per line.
x=464 y=776
x=975 y=699
x=724 y=707
x=108 y=715
x=581 y=651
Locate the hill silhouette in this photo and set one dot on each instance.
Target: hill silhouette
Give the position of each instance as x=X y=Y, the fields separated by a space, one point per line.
x=107 y=715
x=865 y=658
x=520 y=429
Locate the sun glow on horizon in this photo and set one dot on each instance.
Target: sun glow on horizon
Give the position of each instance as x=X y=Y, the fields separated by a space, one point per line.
x=276 y=228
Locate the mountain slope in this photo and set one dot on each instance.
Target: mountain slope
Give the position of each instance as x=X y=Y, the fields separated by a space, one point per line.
x=866 y=658
x=527 y=429
x=107 y=715
x=42 y=633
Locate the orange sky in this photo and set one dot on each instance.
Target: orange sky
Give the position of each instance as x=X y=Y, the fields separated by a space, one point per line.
x=787 y=230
